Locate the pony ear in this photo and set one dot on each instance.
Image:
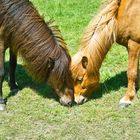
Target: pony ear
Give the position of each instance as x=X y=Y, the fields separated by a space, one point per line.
x=51 y=63
x=84 y=62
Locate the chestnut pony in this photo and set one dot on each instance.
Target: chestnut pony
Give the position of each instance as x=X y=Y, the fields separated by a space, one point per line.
x=40 y=45
x=118 y=22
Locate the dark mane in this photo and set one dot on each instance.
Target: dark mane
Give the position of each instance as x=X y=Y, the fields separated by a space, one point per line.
x=35 y=40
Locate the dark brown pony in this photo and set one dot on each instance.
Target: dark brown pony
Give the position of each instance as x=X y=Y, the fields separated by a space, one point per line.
x=40 y=45
x=118 y=22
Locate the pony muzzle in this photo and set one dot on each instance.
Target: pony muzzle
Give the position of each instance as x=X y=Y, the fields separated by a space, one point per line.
x=80 y=99
x=66 y=101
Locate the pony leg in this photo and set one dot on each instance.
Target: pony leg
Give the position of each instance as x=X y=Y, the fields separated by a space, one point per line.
x=138 y=77
x=13 y=64
x=132 y=73
x=2 y=52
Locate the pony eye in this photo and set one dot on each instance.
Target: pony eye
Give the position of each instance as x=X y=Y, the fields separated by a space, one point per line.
x=80 y=79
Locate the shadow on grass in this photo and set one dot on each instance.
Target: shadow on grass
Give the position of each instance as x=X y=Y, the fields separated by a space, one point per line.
x=24 y=80
x=112 y=84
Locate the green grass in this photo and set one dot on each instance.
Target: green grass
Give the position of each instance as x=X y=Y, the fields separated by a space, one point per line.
x=35 y=114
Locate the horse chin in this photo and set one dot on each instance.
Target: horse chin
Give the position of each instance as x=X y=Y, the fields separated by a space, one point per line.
x=80 y=99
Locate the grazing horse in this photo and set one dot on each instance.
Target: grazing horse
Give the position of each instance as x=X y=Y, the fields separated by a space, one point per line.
x=118 y=22
x=40 y=45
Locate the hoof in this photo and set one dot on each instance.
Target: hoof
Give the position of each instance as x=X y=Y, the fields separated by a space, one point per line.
x=2 y=107
x=124 y=104
x=14 y=91
x=14 y=87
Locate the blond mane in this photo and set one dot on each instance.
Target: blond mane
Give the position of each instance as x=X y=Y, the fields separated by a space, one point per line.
x=99 y=36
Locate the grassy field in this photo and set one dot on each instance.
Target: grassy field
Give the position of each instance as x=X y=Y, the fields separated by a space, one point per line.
x=35 y=114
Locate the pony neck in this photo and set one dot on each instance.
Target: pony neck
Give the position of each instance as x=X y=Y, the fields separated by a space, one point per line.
x=99 y=35
x=98 y=47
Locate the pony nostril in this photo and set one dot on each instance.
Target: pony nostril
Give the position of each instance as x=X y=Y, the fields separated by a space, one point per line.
x=69 y=103
x=65 y=102
x=83 y=100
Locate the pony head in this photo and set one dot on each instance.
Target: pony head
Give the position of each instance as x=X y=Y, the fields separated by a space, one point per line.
x=61 y=80
x=96 y=41
x=84 y=83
